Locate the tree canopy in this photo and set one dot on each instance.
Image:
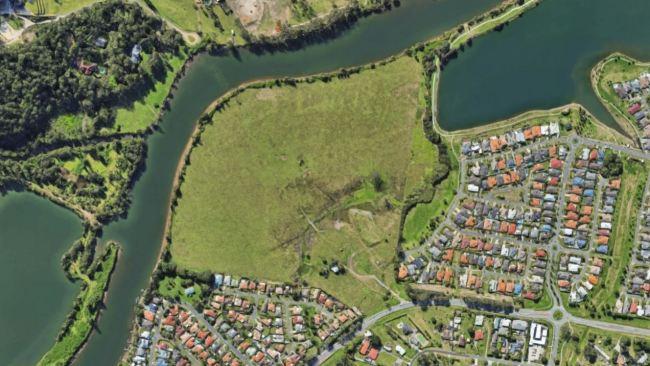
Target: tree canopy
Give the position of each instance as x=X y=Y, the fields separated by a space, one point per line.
x=41 y=79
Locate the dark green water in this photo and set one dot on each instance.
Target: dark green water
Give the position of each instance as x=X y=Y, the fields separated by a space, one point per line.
x=542 y=60
x=140 y=233
x=35 y=296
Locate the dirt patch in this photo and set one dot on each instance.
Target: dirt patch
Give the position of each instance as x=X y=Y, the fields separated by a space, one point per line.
x=261 y=16
x=267 y=94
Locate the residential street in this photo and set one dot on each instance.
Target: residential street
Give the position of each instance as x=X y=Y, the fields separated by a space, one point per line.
x=554 y=248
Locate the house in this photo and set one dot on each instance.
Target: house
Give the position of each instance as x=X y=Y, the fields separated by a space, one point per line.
x=136 y=54
x=101 y=42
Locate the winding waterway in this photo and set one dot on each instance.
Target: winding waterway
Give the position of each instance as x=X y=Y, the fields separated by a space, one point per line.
x=35 y=295
x=539 y=61
x=542 y=60
x=140 y=234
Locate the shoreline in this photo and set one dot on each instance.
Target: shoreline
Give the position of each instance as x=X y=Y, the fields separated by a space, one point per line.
x=596 y=75
x=103 y=301
x=112 y=245
x=208 y=48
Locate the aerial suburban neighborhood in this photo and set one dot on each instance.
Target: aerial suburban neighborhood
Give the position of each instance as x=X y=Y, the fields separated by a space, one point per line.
x=324 y=183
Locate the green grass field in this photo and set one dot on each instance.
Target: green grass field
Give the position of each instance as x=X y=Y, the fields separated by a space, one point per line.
x=56 y=7
x=277 y=159
x=144 y=112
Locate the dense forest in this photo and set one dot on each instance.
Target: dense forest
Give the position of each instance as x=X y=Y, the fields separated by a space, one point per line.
x=45 y=78
x=96 y=178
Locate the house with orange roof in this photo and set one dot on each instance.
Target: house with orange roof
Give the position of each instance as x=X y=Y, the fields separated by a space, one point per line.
x=593 y=280
x=571 y=216
x=528 y=134
x=491 y=182
x=373 y=354
x=494 y=145
x=501 y=287
x=478 y=335
x=489 y=262
x=440 y=275
x=501 y=164
x=449 y=274
x=518 y=160
x=448 y=256
x=571 y=224
x=150 y=316
x=556 y=163
x=365 y=346
x=536 y=131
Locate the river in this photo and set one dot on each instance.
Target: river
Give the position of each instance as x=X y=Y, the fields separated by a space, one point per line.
x=140 y=234
x=36 y=296
x=539 y=61
x=542 y=60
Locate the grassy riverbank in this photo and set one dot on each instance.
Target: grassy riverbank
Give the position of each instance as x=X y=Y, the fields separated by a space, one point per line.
x=86 y=310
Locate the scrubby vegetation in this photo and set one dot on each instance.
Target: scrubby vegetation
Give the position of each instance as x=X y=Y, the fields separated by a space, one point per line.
x=78 y=325
x=95 y=178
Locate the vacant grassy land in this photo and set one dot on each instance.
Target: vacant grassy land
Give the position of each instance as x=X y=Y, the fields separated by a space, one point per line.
x=56 y=7
x=280 y=162
x=577 y=345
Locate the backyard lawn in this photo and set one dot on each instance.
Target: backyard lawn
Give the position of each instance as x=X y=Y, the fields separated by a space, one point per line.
x=144 y=112
x=287 y=177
